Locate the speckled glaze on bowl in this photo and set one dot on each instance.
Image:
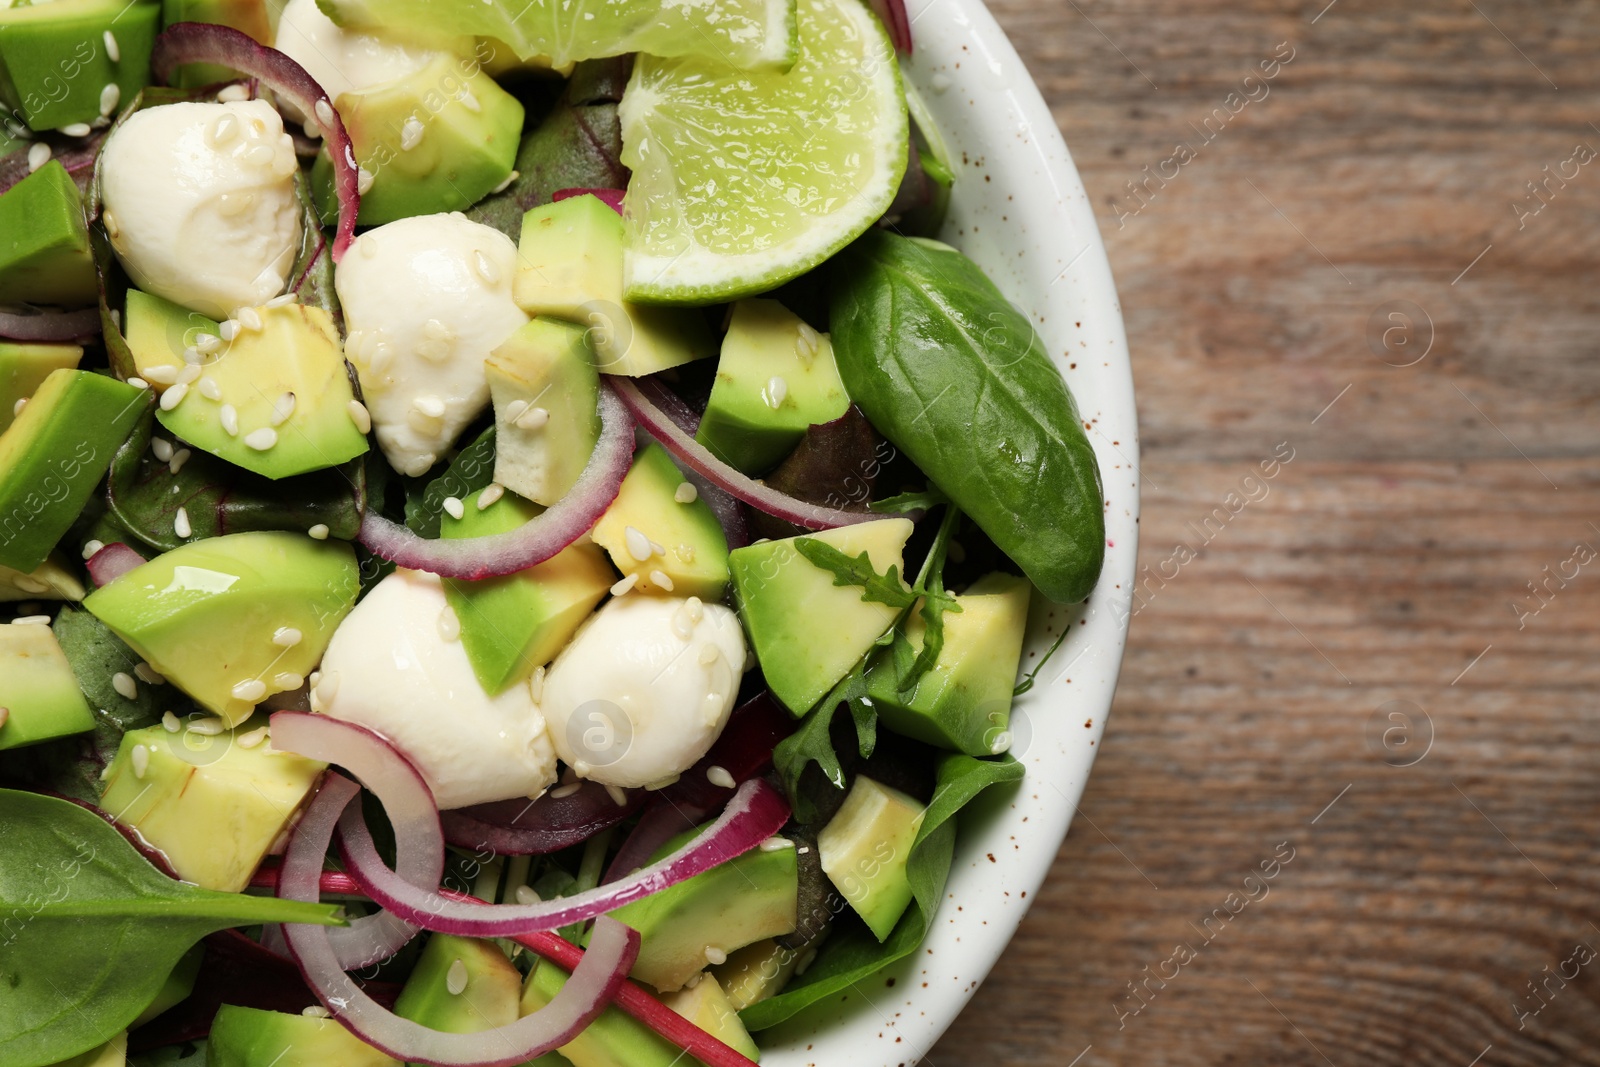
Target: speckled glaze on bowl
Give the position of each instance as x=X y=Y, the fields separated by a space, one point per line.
x=1020 y=210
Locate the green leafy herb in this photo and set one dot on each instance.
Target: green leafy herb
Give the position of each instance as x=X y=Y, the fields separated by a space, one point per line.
x=89 y=930
x=935 y=601
x=852 y=954
x=858 y=570
x=312 y=277
x=926 y=500
x=469 y=473
x=1027 y=682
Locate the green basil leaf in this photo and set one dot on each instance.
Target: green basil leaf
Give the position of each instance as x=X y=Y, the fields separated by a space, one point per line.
x=852 y=954
x=89 y=930
x=957 y=379
x=857 y=570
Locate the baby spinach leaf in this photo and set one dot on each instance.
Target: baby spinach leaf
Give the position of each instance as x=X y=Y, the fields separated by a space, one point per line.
x=957 y=379
x=852 y=954
x=89 y=930
x=857 y=570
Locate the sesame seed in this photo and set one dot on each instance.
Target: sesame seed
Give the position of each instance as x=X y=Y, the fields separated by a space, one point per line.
x=170 y=723
x=253 y=738
x=360 y=416
x=429 y=406
x=526 y=895
x=210 y=389
x=485 y=268
x=125 y=686
x=111 y=226
x=91 y=547
x=223 y=130
x=281 y=301
x=638 y=544
x=686 y=493
x=207 y=726
x=287 y=637
x=660 y=580
x=625 y=586
x=179 y=458
x=288 y=681
x=490 y=495
x=316 y=1011
x=140 y=757
x=410 y=133
x=228 y=329
x=161 y=375
x=249 y=318
x=16 y=409
x=173 y=397
x=449 y=624
x=618 y=795
x=138 y=383
x=533 y=419
x=657 y=550
x=381 y=355
x=364 y=186
x=77 y=129
x=282 y=409
x=455 y=980
x=319 y=532
x=681 y=625
x=113 y=53
x=38 y=156
x=719 y=777
x=709 y=654
x=31 y=620
x=250 y=690
x=110 y=97
x=147 y=674
x=515 y=409
x=180 y=524
x=715 y=956
x=229 y=419
x=469 y=101
x=189 y=374
x=324 y=112
x=564 y=791
x=233 y=94
x=776 y=390
x=454 y=506
x=536 y=685
x=503 y=186
x=261 y=440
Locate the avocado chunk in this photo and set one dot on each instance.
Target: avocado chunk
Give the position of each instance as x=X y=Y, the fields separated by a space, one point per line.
x=964 y=701
x=247 y=16
x=37 y=688
x=704 y=1003
x=44 y=240
x=757 y=972
x=177 y=988
x=570 y=267
x=51 y=580
x=461 y=985
x=232 y=620
x=24 y=367
x=807 y=632
x=161 y=335
x=276 y=401
x=688 y=926
x=775 y=379
x=250 y=1037
x=546 y=409
x=685 y=551
x=511 y=625
x=113 y=1053
x=865 y=848
x=614 y=1039
x=54 y=455
x=55 y=59
x=212 y=803
x=439 y=140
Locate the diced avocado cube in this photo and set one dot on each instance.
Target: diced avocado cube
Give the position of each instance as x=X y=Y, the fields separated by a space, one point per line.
x=546 y=394
x=53 y=456
x=706 y=1005
x=247 y=16
x=37 y=689
x=438 y=140
x=654 y=511
x=250 y=1037
x=177 y=988
x=50 y=580
x=232 y=620
x=570 y=267
x=964 y=701
x=212 y=803
x=614 y=1039
x=776 y=378
x=757 y=972
x=23 y=368
x=686 y=927
x=56 y=58
x=44 y=240
x=865 y=848
x=275 y=400
x=461 y=985
x=113 y=1053
x=808 y=632
x=511 y=625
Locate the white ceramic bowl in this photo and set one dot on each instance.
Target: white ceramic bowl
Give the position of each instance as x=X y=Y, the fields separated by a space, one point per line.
x=1020 y=210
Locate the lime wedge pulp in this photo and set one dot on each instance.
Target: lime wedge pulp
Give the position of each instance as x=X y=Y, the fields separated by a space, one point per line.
x=744 y=33
x=743 y=180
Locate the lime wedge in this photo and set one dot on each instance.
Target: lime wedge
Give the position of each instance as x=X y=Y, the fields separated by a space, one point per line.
x=744 y=33
x=743 y=180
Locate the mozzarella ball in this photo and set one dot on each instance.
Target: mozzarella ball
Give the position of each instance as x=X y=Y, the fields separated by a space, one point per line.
x=200 y=203
x=426 y=299
x=396 y=664
x=343 y=61
x=644 y=688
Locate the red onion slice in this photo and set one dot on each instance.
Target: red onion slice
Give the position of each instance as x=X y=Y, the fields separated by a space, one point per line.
x=204 y=42
x=112 y=562
x=475 y=558
x=612 y=198
x=756 y=812
x=407 y=801
x=660 y=425
x=896 y=21
x=595 y=981
x=721 y=503
x=50 y=326
x=549 y=824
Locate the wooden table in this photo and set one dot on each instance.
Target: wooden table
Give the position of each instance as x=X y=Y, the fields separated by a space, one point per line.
x=1356 y=664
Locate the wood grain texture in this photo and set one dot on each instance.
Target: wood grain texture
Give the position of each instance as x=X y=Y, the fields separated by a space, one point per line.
x=1386 y=569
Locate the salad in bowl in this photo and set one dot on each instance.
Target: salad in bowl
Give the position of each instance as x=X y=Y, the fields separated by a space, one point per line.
x=518 y=539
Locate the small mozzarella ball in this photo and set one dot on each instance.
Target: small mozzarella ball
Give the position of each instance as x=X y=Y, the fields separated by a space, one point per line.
x=644 y=688
x=392 y=667
x=204 y=202
x=424 y=312
x=343 y=61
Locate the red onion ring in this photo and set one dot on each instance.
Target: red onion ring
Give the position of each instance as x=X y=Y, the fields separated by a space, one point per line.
x=613 y=948
x=724 y=506
x=50 y=325
x=549 y=824
x=112 y=562
x=204 y=42
x=407 y=801
x=612 y=198
x=756 y=812
x=895 y=20
x=645 y=400
x=475 y=558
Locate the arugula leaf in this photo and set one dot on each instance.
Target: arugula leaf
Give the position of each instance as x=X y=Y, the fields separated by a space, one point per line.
x=1027 y=682
x=935 y=602
x=469 y=473
x=851 y=954
x=857 y=570
x=90 y=930
x=926 y=500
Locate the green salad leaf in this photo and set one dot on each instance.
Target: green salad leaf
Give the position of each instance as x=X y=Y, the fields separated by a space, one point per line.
x=852 y=954
x=858 y=570
x=926 y=500
x=89 y=930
